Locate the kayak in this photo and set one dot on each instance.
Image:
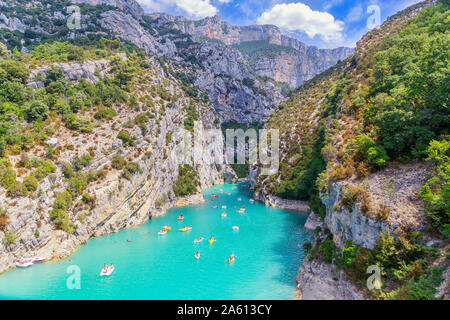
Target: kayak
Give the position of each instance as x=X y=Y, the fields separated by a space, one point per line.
x=108 y=271
x=198 y=240
x=162 y=232
x=185 y=229
x=168 y=228
x=180 y=218
x=252 y=200
x=197 y=255
x=224 y=214
x=240 y=211
x=239 y=199
x=214 y=207
x=235 y=227
x=230 y=260
x=224 y=207
x=211 y=240
x=214 y=195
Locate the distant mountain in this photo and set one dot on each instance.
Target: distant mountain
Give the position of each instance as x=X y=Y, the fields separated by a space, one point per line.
x=246 y=71
x=267 y=50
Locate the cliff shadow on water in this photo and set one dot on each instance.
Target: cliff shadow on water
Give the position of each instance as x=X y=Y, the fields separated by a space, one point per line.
x=288 y=250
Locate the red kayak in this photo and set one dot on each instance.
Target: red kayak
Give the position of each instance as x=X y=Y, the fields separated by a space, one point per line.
x=214 y=195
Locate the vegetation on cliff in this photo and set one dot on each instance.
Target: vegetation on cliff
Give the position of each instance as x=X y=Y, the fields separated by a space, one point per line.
x=387 y=103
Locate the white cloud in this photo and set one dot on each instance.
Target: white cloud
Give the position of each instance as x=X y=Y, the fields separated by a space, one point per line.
x=196 y=9
x=224 y=1
x=300 y=17
x=354 y=14
x=330 y=4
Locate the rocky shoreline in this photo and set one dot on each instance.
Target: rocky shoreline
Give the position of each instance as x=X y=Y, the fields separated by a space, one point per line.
x=56 y=255
x=317 y=280
x=285 y=204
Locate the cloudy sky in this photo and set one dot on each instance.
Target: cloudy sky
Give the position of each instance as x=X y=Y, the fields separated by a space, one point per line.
x=324 y=23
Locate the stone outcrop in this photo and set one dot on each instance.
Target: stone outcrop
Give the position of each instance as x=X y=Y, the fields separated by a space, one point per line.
x=90 y=70
x=393 y=191
x=317 y=280
x=286 y=204
x=12 y=24
x=130 y=6
x=127 y=27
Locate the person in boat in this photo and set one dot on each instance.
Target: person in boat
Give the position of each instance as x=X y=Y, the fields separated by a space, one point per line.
x=111 y=266
x=105 y=267
x=232 y=256
x=197 y=254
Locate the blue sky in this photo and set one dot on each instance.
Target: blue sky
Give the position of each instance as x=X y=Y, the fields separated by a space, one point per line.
x=324 y=23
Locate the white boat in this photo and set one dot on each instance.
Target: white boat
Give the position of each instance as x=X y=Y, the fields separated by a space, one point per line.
x=224 y=207
x=108 y=271
x=38 y=259
x=162 y=232
x=24 y=263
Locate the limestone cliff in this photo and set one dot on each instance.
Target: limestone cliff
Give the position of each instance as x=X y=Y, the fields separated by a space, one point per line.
x=119 y=201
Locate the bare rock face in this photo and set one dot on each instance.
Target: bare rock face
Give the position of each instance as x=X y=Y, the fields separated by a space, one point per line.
x=120 y=202
x=320 y=281
x=130 y=6
x=393 y=191
x=286 y=204
x=89 y=70
x=128 y=28
x=13 y=24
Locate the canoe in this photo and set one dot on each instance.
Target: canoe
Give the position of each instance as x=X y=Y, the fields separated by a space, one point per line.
x=198 y=240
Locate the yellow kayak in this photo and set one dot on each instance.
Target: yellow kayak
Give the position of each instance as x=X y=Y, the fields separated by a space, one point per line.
x=185 y=229
x=211 y=240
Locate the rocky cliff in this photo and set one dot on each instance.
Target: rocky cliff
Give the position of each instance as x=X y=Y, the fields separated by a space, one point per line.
x=268 y=52
x=114 y=201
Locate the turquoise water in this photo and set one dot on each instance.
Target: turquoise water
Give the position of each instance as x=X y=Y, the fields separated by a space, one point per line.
x=266 y=247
